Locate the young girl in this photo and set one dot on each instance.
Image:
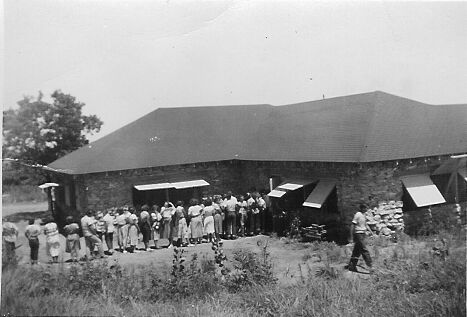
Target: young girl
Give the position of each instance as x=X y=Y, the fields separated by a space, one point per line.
x=72 y=238
x=133 y=233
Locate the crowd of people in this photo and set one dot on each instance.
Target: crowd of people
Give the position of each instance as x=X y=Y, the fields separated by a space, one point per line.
x=122 y=228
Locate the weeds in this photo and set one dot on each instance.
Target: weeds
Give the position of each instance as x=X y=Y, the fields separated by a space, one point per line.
x=406 y=284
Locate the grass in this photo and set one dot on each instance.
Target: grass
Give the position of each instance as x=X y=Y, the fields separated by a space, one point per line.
x=409 y=281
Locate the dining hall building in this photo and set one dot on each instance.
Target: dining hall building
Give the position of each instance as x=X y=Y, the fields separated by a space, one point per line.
x=325 y=156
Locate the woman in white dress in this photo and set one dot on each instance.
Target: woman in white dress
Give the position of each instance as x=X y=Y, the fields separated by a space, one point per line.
x=52 y=240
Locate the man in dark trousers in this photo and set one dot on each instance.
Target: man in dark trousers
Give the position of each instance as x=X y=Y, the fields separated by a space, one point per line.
x=358 y=234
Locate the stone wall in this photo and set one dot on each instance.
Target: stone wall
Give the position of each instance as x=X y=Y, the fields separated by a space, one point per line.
x=372 y=183
x=103 y=190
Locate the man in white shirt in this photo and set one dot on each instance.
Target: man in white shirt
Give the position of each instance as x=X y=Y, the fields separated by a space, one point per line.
x=358 y=230
x=230 y=206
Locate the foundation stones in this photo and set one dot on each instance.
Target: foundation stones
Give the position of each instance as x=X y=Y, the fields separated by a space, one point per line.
x=386 y=219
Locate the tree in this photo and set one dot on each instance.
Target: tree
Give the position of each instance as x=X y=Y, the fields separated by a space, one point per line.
x=41 y=132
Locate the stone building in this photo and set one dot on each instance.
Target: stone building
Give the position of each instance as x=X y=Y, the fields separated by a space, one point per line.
x=324 y=157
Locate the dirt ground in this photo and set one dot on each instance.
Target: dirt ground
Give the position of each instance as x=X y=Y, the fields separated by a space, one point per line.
x=290 y=262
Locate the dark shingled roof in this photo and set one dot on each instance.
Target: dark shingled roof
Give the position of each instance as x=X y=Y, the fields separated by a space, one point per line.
x=366 y=127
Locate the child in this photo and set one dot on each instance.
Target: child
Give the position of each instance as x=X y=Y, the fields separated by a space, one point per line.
x=32 y=233
x=133 y=233
x=72 y=238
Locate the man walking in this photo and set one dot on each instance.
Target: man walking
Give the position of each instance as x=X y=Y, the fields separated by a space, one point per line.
x=358 y=233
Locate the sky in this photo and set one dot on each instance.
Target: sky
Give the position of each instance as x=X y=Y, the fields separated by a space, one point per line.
x=124 y=59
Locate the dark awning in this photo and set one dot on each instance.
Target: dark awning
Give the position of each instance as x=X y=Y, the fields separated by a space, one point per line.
x=422 y=190
x=319 y=194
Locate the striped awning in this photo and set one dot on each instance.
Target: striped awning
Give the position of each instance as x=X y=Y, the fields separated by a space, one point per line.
x=422 y=190
x=319 y=194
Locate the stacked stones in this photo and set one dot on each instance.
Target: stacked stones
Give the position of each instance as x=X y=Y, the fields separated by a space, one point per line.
x=386 y=219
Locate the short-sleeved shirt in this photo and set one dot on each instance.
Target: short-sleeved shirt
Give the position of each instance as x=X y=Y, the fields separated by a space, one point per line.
x=194 y=211
x=109 y=220
x=87 y=224
x=32 y=231
x=167 y=212
x=209 y=211
x=230 y=204
x=359 y=221
x=243 y=206
x=72 y=228
x=9 y=232
x=121 y=220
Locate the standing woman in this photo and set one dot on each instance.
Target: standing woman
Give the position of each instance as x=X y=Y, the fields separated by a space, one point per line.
x=156 y=225
x=133 y=232
x=167 y=211
x=196 y=223
x=218 y=214
x=145 y=226
x=52 y=240
x=72 y=238
x=209 y=212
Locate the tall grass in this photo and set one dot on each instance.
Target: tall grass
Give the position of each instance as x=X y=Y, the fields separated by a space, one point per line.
x=406 y=284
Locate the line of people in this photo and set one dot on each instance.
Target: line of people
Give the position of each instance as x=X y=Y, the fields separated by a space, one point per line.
x=212 y=218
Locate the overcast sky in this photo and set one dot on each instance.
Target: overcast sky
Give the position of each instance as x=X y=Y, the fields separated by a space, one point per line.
x=127 y=58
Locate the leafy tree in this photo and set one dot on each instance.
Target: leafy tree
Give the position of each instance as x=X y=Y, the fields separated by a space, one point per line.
x=41 y=132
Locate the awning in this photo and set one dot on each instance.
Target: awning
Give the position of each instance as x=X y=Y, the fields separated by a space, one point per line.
x=276 y=193
x=285 y=187
x=154 y=186
x=47 y=185
x=319 y=194
x=422 y=190
x=190 y=184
